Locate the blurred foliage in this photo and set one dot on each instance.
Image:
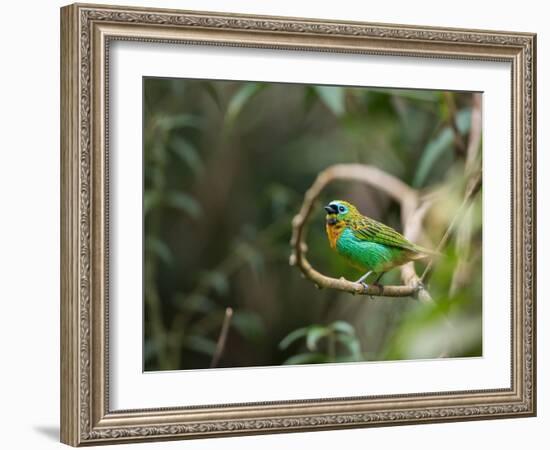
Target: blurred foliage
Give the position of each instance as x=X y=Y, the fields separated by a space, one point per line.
x=336 y=342
x=226 y=165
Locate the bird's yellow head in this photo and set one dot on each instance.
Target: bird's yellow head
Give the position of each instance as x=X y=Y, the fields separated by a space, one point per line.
x=338 y=210
x=339 y=213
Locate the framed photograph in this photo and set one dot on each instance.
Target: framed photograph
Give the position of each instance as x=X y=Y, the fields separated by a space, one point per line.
x=276 y=225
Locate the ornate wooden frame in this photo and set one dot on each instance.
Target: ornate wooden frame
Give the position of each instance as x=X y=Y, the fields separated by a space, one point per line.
x=86 y=31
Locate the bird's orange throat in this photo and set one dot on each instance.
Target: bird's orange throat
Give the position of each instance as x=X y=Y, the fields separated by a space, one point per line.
x=334 y=230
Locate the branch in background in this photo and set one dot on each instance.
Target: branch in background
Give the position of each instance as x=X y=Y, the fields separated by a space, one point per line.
x=413 y=210
x=472 y=188
x=474 y=140
x=407 y=198
x=463 y=236
x=220 y=346
x=460 y=147
x=412 y=229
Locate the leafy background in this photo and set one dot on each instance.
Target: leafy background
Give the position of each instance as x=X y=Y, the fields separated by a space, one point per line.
x=226 y=166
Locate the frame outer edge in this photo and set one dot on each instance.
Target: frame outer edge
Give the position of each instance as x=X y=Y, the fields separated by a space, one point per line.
x=82 y=409
x=532 y=136
x=534 y=237
x=70 y=299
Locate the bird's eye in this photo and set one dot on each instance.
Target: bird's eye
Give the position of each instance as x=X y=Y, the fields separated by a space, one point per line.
x=341 y=209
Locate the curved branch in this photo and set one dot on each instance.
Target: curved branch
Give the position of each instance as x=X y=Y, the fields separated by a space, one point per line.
x=395 y=188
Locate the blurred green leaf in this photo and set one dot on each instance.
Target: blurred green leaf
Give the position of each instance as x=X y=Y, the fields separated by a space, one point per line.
x=343 y=327
x=333 y=97
x=151 y=199
x=212 y=92
x=197 y=303
x=352 y=344
x=240 y=99
x=150 y=349
x=169 y=123
x=437 y=146
x=410 y=94
x=200 y=344
x=314 y=333
x=188 y=153
x=217 y=281
x=185 y=203
x=307 y=358
x=249 y=325
x=292 y=337
x=160 y=249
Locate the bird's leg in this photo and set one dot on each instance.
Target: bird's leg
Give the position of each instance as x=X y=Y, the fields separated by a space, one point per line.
x=363 y=278
x=377 y=281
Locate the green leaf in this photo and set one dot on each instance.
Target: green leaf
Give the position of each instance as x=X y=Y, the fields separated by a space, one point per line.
x=212 y=92
x=173 y=122
x=352 y=344
x=160 y=249
x=343 y=327
x=217 y=281
x=185 y=203
x=248 y=324
x=292 y=337
x=197 y=303
x=178 y=86
x=437 y=146
x=151 y=199
x=333 y=97
x=240 y=99
x=187 y=153
x=315 y=332
x=151 y=349
x=464 y=120
x=306 y=358
x=200 y=344
x=410 y=94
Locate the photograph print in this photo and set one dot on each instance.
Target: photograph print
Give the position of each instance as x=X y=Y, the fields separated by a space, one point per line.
x=294 y=224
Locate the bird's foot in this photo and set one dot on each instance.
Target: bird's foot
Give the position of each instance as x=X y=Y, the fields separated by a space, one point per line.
x=379 y=286
x=366 y=287
x=419 y=287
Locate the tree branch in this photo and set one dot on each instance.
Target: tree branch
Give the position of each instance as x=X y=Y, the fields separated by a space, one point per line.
x=413 y=210
x=395 y=188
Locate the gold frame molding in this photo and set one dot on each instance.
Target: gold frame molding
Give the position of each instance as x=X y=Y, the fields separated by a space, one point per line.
x=86 y=31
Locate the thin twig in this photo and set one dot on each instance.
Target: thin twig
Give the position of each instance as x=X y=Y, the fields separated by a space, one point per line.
x=412 y=228
x=473 y=187
x=474 y=139
x=463 y=234
x=220 y=346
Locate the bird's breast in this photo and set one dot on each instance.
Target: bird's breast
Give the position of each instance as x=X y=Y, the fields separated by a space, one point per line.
x=334 y=230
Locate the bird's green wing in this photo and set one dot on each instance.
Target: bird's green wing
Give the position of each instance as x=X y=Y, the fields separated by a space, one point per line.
x=370 y=230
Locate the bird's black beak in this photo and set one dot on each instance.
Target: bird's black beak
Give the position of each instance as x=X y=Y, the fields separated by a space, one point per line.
x=331 y=209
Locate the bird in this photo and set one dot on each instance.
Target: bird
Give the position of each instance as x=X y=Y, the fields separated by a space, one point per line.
x=368 y=245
